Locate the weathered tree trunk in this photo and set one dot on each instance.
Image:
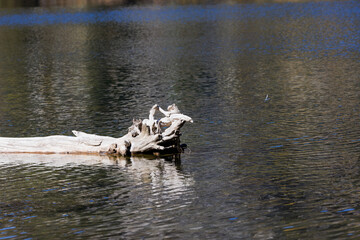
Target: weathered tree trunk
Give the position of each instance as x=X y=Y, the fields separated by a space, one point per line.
x=146 y=136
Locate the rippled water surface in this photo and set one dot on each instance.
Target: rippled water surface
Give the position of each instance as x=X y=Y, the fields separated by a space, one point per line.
x=282 y=168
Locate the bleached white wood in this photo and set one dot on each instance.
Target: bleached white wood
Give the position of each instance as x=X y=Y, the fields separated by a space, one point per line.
x=143 y=137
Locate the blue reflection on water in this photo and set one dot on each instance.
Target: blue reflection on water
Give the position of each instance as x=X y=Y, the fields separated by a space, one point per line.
x=320 y=43
x=346 y=210
x=7 y=228
x=184 y=13
x=8 y=237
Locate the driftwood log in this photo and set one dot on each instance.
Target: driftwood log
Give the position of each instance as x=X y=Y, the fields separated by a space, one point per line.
x=144 y=136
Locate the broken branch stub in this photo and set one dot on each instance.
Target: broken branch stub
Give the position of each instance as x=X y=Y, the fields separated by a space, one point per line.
x=144 y=136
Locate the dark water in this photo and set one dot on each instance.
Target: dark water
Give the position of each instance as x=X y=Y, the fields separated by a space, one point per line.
x=287 y=168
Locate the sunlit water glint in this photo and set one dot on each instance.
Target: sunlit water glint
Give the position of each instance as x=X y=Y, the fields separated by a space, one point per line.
x=285 y=166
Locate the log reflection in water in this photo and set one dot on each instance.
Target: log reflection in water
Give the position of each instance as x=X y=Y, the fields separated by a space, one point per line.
x=158 y=173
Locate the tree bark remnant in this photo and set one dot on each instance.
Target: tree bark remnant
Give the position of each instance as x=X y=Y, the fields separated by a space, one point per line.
x=144 y=136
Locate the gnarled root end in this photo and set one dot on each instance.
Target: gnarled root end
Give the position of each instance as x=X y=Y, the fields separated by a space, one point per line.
x=147 y=136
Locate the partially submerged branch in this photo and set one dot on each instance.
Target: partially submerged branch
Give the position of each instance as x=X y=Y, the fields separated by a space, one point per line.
x=144 y=136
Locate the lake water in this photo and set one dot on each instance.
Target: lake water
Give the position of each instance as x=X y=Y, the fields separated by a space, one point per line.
x=284 y=168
